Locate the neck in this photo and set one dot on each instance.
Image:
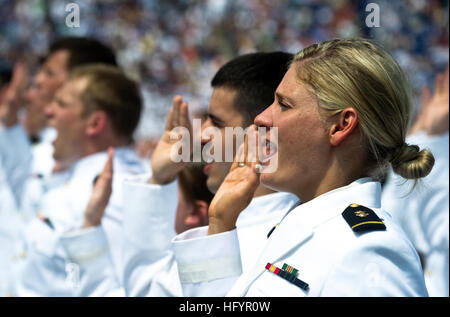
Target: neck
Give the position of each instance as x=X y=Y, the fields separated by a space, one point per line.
x=94 y=146
x=261 y=190
x=338 y=175
x=101 y=145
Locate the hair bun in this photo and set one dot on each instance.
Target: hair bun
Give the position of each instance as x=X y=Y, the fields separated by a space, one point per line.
x=410 y=162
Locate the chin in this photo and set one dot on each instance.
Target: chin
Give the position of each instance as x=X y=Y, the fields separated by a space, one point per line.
x=212 y=186
x=271 y=181
x=267 y=179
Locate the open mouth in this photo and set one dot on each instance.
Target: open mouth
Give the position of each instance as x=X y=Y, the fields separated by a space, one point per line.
x=206 y=169
x=268 y=150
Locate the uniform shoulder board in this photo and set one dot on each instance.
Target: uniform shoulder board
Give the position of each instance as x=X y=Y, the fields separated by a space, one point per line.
x=362 y=219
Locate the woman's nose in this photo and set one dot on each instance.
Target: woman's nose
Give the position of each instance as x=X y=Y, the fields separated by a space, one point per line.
x=264 y=119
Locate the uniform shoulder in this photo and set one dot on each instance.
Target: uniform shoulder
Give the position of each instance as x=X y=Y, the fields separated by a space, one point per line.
x=362 y=219
x=375 y=227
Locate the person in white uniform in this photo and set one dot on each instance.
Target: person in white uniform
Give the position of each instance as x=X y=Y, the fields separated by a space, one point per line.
x=342 y=112
x=423 y=211
x=15 y=152
x=26 y=145
x=10 y=238
x=98 y=108
x=242 y=88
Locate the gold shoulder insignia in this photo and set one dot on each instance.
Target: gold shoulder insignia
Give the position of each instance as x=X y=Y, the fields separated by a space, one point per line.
x=362 y=219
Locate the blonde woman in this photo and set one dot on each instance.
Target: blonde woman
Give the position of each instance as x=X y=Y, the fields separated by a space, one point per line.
x=342 y=112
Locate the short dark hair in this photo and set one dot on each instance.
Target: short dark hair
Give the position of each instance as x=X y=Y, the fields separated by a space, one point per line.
x=83 y=50
x=254 y=77
x=111 y=91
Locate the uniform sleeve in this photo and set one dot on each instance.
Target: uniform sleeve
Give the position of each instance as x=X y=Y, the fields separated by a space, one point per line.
x=89 y=254
x=381 y=265
x=149 y=221
x=434 y=216
x=15 y=151
x=43 y=268
x=207 y=265
x=423 y=212
x=149 y=212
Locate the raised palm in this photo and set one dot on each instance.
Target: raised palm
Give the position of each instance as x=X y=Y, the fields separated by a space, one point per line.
x=178 y=127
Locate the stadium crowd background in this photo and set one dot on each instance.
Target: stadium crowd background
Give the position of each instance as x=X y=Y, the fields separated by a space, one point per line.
x=175 y=47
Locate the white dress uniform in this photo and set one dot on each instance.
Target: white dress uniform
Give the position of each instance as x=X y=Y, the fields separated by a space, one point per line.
x=423 y=212
x=41 y=178
x=16 y=155
x=48 y=269
x=323 y=247
x=150 y=268
x=10 y=238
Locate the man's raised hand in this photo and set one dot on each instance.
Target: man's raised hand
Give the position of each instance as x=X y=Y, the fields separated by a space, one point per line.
x=164 y=168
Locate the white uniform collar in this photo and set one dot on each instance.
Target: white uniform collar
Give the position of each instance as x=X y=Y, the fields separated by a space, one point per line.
x=302 y=220
x=88 y=163
x=364 y=191
x=47 y=135
x=264 y=206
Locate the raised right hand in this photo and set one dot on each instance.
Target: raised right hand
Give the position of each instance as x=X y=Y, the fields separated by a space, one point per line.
x=164 y=168
x=13 y=98
x=237 y=190
x=434 y=115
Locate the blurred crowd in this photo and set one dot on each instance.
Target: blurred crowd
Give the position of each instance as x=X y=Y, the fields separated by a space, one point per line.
x=175 y=47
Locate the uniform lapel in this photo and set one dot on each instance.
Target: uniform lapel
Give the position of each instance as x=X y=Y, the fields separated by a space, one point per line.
x=298 y=226
x=280 y=243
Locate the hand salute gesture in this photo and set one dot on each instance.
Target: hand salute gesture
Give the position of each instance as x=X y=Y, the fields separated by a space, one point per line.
x=163 y=166
x=237 y=189
x=100 y=194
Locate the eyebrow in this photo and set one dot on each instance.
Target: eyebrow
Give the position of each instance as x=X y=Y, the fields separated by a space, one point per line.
x=214 y=118
x=60 y=101
x=282 y=97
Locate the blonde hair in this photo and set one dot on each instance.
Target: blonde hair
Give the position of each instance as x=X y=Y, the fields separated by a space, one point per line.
x=110 y=90
x=357 y=73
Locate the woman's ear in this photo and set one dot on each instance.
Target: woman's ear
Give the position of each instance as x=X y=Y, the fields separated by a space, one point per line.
x=199 y=215
x=96 y=123
x=347 y=121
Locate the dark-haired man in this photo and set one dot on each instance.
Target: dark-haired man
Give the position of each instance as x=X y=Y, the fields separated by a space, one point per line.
x=242 y=88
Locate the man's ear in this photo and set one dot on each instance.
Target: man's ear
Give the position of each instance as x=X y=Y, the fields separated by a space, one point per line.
x=199 y=215
x=96 y=123
x=347 y=121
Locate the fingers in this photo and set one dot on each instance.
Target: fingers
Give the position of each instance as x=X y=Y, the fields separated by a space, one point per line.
x=426 y=96
x=169 y=120
x=439 y=83
x=105 y=177
x=178 y=114
x=442 y=82
x=19 y=75
x=238 y=158
x=174 y=113
x=184 y=120
x=247 y=154
x=446 y=81
x=108 y=169
x=100 y=194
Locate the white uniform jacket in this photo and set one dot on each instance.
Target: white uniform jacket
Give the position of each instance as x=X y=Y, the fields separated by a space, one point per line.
x=423 y=212
x=16 y=157
x=10 y=237
x=149 y=265
x=315 y=239
x=55 y=251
